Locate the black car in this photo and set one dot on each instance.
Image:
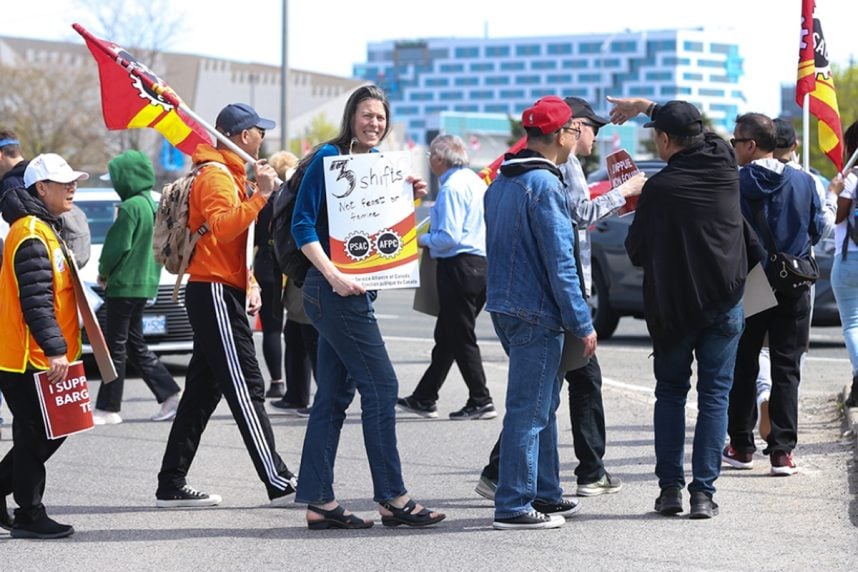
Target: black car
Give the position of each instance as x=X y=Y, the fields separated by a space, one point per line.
x=618 y=286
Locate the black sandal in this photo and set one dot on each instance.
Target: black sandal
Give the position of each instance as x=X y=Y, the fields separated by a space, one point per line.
x=407 y=516
x=336 y=518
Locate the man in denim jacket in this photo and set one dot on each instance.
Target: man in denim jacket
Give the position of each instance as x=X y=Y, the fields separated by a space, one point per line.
x=534 y=293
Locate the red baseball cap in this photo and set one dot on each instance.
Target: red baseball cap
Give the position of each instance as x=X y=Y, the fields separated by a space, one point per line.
x=548 y=114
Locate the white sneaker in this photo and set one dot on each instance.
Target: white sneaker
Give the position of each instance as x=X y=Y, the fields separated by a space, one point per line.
x=100 y=417
x=168 y=408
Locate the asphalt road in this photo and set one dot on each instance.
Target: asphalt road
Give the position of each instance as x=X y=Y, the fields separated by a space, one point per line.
x=103 y=483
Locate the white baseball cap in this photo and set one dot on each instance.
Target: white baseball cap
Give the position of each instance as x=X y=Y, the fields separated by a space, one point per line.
x=51 y=167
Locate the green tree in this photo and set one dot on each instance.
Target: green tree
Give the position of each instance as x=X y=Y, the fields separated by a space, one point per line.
x=846 y=86
x=319 y=131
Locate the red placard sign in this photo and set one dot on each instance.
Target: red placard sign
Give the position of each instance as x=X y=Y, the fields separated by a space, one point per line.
x=65 y=404
x=621 y=168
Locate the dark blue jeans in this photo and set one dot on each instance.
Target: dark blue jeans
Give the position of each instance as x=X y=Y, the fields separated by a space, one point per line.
x=529 y=465
x=714 y=346
x=351 y=357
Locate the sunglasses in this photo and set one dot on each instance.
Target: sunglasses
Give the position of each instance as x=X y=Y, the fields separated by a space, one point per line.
x=733 y=141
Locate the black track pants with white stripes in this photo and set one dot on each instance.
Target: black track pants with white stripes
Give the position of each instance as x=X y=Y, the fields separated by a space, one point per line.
x=223 y=363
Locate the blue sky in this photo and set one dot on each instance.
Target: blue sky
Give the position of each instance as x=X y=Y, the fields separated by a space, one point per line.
x=329 y=36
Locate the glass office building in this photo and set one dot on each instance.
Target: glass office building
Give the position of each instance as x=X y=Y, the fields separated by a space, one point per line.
x=505 y=75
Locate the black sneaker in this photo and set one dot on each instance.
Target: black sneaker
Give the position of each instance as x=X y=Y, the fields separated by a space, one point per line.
x=702 y=505
x=669 y=502
x=287 y=408
x=43 y=528
x=529 y=520
x=187 y=496
x=6 y=521
x=564 y=507
x=423 y=408
x=283 y=500
x=276 y=390
x=470 y=411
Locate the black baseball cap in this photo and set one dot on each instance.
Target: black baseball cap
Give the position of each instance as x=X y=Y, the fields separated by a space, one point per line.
x=236 y=117
x=784 y=133
x=582 y=110
x=677 y=118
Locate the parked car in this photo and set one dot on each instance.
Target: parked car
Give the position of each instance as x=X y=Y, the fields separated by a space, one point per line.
x=618 y=285
x=166 y=328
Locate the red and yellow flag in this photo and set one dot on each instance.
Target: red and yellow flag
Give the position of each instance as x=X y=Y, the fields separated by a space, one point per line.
x=132 y=96
x=490 y=171
x=814 y=78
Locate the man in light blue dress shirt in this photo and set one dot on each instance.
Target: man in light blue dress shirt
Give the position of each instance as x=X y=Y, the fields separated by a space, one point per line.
x=457 y=241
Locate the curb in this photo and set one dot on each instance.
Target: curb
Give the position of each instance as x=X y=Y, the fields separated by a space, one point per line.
x=851 y=416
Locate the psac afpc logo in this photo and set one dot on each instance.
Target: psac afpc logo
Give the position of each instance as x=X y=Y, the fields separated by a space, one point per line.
x=358 y=246
x=388 y=244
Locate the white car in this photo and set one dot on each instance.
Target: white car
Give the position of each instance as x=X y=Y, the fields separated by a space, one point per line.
x=166 y=328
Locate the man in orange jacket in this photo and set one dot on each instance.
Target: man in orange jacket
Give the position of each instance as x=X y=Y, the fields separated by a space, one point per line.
x=219 y=292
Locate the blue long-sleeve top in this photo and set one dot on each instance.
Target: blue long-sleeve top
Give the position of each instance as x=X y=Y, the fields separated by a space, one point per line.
x=307 y=224
x=458 y=224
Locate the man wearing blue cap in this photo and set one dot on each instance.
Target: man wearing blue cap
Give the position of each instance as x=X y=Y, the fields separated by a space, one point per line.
x=534 y=293
x=219 y=291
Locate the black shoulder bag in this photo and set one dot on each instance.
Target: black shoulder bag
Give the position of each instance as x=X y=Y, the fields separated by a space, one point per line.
x=789 y=275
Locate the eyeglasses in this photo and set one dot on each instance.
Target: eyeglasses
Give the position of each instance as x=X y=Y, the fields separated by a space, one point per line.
x=572 y=129
x=260 y=130
x=592 y=126
x=733 y=141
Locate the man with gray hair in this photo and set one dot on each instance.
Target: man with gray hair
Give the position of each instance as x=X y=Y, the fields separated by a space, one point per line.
x=457 y=241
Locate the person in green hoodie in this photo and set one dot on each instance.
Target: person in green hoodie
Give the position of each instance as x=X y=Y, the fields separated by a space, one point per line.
x=128 y=273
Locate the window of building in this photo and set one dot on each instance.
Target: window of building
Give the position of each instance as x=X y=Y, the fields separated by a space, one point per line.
x=728 y=49
x=559 y=49
x=623 y=47
x=497 y=51
x=496 y=80
x=527 y=79
x=482 y=66
x=692 y=46
x=575 y=64
x=467 y=52
x=692 y=76
x=407 y=110
x=466 y=81
x=641 y=90
x=512 y=66
x=720 y=79
x=710 y=63
x=436 y=108
x=511 y=94
x=439 y=53
x=496 y=108
x=421 y=96
x=451 y=68
x=671 y=90
x=482 y=94
x=559 y=78
x=609 y=63
x=706 y=92
x=467 y=108
x=589 y=47
x=590 y=77
x=543 y=65
x=437 y=82
x=417 y=123
x=676 y=61
x=541 y=92
x=528 y=50
x=451 y=96
x=659 y=76
x=661 y=45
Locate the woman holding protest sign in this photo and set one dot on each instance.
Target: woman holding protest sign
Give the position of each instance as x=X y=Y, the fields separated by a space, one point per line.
x=351 y=354
x=39 y=318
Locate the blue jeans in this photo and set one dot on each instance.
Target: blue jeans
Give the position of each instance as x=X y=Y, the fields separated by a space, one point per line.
x=351 y=356
x=529 y=464
x=714 y=346
x=844 y=282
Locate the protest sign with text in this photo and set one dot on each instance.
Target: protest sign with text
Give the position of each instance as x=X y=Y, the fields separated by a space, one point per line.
x=371 y=218
x=66 y=407
x=621 y=168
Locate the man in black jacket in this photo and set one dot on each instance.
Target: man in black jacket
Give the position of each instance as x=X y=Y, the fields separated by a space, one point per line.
x=688 y=237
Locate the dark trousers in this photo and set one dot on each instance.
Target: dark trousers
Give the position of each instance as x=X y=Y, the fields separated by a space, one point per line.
x=588 y=425
x=126 y=343
x=788 y=327
x=223 y=364
x=22 y=470
x=302 y=342
x=271 y=316
x=461 y=294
